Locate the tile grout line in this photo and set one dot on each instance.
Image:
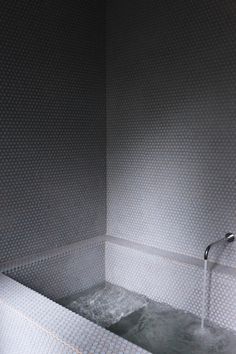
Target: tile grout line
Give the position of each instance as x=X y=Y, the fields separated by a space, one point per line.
x=37 y=325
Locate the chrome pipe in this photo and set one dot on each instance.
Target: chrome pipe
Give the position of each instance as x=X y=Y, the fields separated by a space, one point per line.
x=229 y=237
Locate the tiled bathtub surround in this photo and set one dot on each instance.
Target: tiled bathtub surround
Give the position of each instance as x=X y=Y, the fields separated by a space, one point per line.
x=31 y=323
x=64 y=271
x=161 y=275
x=172 y=280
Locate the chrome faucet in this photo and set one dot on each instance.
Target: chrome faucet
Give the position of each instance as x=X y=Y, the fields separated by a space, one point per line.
x=229 y=237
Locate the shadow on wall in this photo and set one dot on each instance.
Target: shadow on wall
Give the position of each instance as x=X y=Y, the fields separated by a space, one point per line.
x=171 y=127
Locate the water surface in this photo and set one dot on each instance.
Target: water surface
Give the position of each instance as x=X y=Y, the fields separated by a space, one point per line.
x=156 y=327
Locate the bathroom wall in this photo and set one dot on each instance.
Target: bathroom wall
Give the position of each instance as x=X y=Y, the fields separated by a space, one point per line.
x=52 y=137
x=171 y=145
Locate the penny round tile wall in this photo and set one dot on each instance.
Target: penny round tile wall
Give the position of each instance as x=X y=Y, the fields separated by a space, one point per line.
x=52 y=136
x=169 y=100
x=171 y=131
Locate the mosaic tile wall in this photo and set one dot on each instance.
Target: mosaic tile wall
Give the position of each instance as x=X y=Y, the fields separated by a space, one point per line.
x=171 y=141
x=52 y=135
x=175 y=283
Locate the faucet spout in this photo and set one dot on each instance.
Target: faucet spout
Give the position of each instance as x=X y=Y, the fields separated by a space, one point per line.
x=229 y=237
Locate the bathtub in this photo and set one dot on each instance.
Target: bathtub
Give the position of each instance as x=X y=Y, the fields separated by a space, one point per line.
x=34 y=322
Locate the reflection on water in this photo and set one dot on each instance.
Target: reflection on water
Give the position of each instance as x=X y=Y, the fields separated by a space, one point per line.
x=157 y=327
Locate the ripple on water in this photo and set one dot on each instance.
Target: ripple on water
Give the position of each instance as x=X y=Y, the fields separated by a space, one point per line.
x=157 y=327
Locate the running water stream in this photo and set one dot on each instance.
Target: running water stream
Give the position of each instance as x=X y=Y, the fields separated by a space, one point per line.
x=204 y=295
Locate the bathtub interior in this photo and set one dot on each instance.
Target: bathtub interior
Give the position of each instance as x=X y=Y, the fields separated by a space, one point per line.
x=85 y=269
x=154 y=326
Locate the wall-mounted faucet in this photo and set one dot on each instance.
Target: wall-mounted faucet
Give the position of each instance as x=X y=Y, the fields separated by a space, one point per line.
x=229 y=237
